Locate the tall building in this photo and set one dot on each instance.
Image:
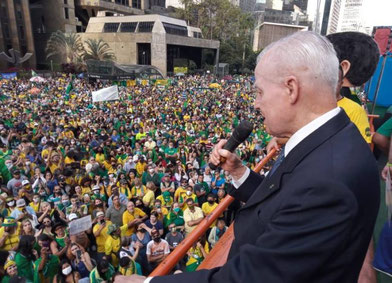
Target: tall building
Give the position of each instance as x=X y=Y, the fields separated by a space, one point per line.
x=351 y=16
x=335 y=15
x=15 y=30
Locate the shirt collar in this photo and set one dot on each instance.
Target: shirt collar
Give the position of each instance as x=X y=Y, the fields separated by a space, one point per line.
x=309 y=128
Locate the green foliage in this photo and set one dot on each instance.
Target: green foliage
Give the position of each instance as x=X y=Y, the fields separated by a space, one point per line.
x=98 y=50
x=223 y=21
x=67 y=47
x=70 y=52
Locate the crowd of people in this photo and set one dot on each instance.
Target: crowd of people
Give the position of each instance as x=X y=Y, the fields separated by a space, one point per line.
x=138 y=167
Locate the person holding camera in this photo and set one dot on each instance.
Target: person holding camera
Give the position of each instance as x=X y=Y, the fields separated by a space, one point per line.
x=47 y=264
x=80 y=261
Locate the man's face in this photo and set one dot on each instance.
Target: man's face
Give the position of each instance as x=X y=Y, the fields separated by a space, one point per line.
x=130 y=207
x=272 y=99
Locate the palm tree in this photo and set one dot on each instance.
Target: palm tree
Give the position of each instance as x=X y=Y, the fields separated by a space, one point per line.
x=68 y=46
x=98 y=50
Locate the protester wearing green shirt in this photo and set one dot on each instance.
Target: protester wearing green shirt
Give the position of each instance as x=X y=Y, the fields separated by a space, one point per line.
x=102 y=272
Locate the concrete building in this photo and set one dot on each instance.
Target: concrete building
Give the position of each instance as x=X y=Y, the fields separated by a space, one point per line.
x=16 y=31
x=267 y=33
x=151 y=40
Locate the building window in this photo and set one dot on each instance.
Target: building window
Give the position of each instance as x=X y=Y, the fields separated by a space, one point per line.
x=145 y=26
x=175 y=29
x=197 y=34
x=128 y=27
x=110 y=27
x=65 y=2
x=122 y=2
x=66 y=13
x=136 y=4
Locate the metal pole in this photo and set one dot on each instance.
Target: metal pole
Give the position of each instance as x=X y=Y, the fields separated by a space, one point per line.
x=379 y=82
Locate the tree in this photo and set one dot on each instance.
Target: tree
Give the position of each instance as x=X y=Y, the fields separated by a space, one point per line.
x=98 y=50
x=67 y=46
x=221 y=20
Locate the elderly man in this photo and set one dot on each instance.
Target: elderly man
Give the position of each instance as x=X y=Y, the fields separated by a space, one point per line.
x=311 y=218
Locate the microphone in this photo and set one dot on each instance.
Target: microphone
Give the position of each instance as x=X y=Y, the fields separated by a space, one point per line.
x=240 y=134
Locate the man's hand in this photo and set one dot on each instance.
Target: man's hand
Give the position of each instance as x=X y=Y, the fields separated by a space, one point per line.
x=276 y=143
x=384 y=172
x=232 y=164
x=129 y=279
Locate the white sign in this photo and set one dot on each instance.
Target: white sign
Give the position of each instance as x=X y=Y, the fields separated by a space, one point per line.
x=106 y=94
x=80 y=225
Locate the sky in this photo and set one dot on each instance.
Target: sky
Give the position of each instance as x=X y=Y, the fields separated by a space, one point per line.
x=378 y=12
x=374 y=12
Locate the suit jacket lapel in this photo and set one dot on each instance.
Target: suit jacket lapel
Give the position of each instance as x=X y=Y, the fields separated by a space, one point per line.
x=272 y=184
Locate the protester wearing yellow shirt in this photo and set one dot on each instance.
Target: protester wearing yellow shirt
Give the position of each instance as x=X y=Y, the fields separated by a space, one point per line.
x=149 y=196
x=100 y=231
x=113 y=241
x=357 y=115
x=100 y=156
x=9 y=235
x=131 y=217
x=180 y=190
x=166 y=199
x=209 y=207
x=138 y=190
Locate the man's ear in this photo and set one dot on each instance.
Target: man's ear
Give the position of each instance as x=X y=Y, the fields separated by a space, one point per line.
x=292 y=86
x=345 y=65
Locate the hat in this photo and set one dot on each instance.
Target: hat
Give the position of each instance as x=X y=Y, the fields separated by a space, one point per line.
x=112 y=228
x=8 y=199
x=9 y=222
x=96 y=188
x=9 y=263
x=56 y=225
x=166 y=196
x=16 y=171
x=25 y=182
x=72 y=216
x=100 y=213
x=20 y=202
x=135 y=158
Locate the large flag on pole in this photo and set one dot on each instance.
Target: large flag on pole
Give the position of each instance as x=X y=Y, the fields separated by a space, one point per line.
x=106 y=94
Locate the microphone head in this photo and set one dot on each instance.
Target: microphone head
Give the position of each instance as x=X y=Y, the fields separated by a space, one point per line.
x=242 y=131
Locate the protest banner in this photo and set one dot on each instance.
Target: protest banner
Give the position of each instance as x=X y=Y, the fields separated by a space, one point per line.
x=80 y=225
x=106 y=94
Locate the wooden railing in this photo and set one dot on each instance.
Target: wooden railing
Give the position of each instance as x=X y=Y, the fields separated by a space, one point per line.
x=218 y=255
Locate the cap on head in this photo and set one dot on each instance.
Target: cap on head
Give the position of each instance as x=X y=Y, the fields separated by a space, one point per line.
x=20 y=202
x=9 y=222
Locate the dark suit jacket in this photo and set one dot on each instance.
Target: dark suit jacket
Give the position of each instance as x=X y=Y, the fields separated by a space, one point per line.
x=311 y=221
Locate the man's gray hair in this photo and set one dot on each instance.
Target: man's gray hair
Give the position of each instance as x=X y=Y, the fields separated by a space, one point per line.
x=307 y=49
